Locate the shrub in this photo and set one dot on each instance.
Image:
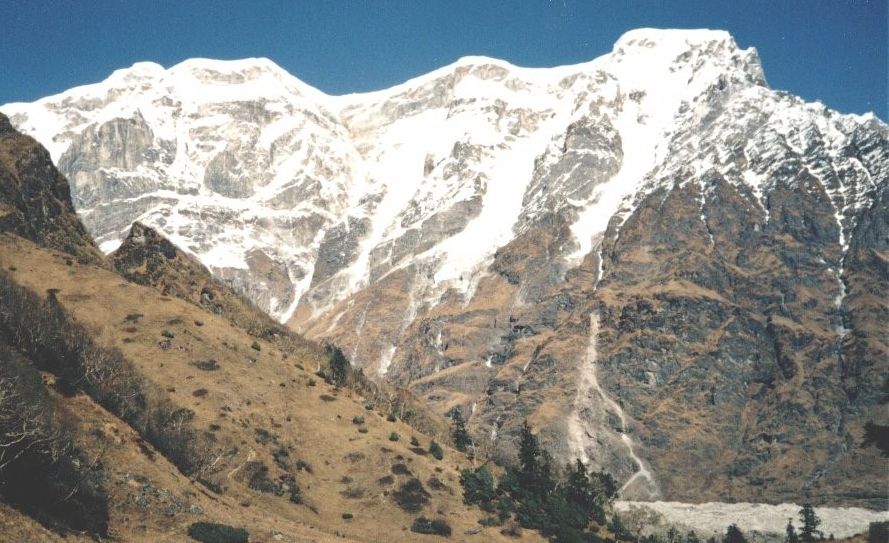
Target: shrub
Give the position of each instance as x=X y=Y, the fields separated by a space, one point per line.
x=168 y=334
x=255 y=346
x=212 y=532
x=436 y=450
x=347 y=516
x=878 y=532
x=394 y=436
x=390 y=417
x=206 y=365
x=414 y=441
x=357 y=420
x=423 y=525
x=198 y=323
x=411 y=496
x=311 y=382
x=362 y=430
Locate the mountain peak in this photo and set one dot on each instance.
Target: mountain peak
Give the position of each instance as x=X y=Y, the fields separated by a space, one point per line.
x=650 y=37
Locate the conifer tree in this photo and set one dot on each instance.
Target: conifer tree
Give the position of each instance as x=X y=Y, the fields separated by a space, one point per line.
x=462 y=440
x=734 y=535
x=810 y=524
x=791 y=536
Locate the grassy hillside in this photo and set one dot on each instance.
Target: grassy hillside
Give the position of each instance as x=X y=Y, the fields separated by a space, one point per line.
x=250 y=436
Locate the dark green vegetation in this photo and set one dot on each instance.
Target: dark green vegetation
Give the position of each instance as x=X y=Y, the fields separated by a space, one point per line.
x=459 y=435
x=423 y=525
x=564 y=509
x=878 y=532
x=211 y=532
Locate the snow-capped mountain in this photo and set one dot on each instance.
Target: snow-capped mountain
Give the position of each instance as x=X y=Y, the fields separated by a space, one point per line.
x=635 y=253
x=283 y=166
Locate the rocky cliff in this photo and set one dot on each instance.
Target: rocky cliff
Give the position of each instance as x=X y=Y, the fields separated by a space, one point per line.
x=669 y=268
x=35 y=199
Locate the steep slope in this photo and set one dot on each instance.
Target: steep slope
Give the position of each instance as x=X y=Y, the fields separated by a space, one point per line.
x=269 y=425
x=35 y=200
x=132 y=414
x=671 y=269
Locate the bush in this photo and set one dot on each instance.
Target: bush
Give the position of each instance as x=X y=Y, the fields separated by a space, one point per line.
x=212 y=532
x=394 y=436
x=255 y=346
x=206 y=365
x=357 y=420
x=168 y=334
x=411 y=496
x=423 y=525
x=390 y=417
x=347 y=516
x=414 y=441
x=436 y=450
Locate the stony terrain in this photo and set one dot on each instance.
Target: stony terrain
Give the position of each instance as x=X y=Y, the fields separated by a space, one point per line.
x=669 y=268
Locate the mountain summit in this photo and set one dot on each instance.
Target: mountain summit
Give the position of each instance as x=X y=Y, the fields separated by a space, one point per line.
x=672 y=269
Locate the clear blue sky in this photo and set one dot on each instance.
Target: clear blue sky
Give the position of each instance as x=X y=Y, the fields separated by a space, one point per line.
x=831 y=50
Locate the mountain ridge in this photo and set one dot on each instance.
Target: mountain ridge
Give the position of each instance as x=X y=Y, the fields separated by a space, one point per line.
x=460 y=233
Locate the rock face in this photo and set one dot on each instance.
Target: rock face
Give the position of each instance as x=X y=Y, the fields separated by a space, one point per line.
x=35 y=199
x=670 y=269
x=148 y=258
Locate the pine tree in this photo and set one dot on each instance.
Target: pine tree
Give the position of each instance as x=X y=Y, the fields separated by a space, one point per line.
x=462 y=440
x=339 y=365
x=478 y=486
x=791 y=536
x=734 y=535
x=534 y=465
x=810 y=524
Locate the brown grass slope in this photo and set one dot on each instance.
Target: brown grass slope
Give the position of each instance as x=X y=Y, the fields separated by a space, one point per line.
x=264 y=422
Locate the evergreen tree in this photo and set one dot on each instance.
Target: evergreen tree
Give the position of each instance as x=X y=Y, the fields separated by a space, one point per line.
x=810 y=524
x=734 y=535
x=791 y=536
x=339 y=365
x=478 y=487
x=462 y=440
x=534 y=475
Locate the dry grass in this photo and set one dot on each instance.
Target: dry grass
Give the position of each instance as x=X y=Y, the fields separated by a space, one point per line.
x=251 y=393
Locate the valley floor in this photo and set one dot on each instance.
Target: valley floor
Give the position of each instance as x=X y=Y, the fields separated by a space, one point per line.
x=761 y=519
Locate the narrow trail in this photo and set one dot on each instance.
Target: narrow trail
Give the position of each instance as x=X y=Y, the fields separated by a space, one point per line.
x=581 y=430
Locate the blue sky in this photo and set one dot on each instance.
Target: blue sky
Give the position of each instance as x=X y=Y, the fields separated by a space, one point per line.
x=829 y=50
